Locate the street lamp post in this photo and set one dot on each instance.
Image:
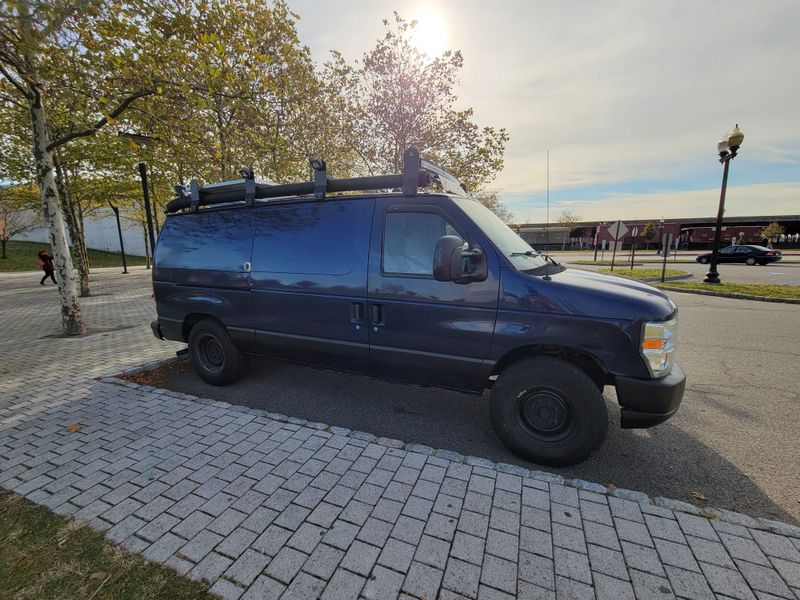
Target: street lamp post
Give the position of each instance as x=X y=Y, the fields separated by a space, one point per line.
x=727 y=148
x=121 y=243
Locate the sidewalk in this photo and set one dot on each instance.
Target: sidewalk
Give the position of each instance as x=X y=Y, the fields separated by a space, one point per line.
x=268 y=506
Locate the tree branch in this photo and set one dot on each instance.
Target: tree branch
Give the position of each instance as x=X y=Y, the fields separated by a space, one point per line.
x=13 y=81
x=11 y=100
x=99 y=124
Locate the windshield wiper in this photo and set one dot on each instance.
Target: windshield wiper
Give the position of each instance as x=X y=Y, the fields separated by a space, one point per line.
x=526 y=253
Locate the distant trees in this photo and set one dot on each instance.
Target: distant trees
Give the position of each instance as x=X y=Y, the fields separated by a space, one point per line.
x=773 y=231
x=491 y=201
x=648 y=233
x=568 y=220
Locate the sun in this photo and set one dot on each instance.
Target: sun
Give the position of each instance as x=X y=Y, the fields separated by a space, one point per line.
x=430 y=34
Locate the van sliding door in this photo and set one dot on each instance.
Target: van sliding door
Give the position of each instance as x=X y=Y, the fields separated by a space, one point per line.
x=308 y=281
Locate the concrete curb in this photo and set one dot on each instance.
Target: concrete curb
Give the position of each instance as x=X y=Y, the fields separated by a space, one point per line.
x=655 y=503
x=729 y=295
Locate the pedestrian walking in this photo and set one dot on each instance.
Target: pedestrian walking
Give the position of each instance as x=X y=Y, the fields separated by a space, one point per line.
x=45 y=261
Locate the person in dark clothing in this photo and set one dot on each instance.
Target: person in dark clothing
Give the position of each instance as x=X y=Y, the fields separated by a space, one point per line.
x=48 y=265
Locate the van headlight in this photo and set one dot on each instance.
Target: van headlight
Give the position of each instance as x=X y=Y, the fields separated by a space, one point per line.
x=658 y=346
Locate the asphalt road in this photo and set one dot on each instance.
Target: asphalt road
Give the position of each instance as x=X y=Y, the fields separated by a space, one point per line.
x=781 y=273
x=735 y=439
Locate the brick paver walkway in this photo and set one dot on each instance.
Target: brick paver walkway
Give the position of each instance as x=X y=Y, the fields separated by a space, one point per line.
x=267 y=506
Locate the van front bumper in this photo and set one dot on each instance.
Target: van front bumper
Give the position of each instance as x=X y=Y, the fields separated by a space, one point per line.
x=648 y=402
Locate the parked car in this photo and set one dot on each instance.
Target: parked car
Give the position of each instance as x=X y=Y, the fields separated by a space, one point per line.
x=422 y=286
x=747 y=254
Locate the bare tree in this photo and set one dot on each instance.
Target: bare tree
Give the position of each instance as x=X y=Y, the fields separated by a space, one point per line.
x=567 y=220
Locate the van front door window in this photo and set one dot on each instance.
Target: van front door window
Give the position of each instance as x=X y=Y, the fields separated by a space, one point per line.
x=409 y=241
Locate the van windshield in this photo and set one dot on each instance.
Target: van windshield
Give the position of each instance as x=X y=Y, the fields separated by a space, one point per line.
x=521 y=255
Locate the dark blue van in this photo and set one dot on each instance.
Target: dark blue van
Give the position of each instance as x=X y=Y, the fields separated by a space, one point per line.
x=429 y=287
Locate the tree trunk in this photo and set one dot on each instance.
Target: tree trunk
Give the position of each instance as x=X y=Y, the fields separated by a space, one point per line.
x=3 y=243
x=71 y=315
x=146 y=247
x=75 y=230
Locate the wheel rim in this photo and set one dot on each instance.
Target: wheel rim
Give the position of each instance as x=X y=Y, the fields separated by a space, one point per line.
x=211 y=353
x=751 y=261
x=544 y=414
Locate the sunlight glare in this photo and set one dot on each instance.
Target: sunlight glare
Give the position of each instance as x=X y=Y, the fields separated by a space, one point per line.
x=430 y=34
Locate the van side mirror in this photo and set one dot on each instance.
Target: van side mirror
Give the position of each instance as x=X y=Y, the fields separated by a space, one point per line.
x=452 y=263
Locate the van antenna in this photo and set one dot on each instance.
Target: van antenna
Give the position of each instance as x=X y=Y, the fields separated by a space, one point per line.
x=547 y=226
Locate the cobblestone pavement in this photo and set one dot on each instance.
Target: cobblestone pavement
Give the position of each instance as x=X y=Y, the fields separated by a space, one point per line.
x=269 y=506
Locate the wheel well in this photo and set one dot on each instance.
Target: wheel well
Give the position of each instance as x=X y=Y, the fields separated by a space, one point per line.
x=587 y=363
x=193 y=319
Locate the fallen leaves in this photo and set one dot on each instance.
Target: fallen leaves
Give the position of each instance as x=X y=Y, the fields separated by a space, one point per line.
x=73 y=427
x=698 y=496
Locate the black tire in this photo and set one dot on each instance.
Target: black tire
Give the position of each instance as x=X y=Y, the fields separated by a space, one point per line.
x=750 y=261
x=548 y=411
x=763 y=263
x=703 y=260
x=214 y=355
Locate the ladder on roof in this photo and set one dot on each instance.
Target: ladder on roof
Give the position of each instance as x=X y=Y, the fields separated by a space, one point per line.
x=416 y=173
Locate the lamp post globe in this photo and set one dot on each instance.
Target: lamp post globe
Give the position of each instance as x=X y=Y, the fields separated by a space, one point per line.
x=723 y=147
x=736 y=138
x=727 y=149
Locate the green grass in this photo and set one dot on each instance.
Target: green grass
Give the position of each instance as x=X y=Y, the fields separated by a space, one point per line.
x=605 y=263
x=48 y=556
x=626 y=261
x=791 y=292
x=22 y=257
x=643 y=273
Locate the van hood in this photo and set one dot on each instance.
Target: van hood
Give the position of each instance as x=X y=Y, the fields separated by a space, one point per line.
x=585 y=293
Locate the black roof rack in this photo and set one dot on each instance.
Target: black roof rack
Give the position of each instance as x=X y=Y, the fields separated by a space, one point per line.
x=416 y=173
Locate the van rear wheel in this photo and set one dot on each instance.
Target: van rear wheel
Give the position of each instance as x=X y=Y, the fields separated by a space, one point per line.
x=213 y=354
x=548 y=411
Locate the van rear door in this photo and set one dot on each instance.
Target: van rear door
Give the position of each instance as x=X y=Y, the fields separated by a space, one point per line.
x=309 y=281
x=201 y=268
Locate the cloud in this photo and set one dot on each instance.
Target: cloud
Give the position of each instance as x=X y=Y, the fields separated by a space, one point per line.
x=619 y=92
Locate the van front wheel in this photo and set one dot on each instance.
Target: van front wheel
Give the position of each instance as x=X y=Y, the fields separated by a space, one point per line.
x=214 y=355
x=548 y=411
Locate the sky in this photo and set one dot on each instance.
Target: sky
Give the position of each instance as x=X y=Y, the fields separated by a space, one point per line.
x=629 y=97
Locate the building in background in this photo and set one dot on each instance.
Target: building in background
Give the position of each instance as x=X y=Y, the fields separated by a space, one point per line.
x=692 y=233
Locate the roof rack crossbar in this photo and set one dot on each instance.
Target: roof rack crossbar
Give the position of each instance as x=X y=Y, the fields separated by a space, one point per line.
x=417 y=173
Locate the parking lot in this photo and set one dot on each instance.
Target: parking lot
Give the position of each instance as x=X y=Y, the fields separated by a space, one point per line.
x=733 y=441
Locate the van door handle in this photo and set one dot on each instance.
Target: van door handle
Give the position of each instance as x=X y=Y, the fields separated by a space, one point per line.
x=246 y=267
x=377 y=314
x=357 y=313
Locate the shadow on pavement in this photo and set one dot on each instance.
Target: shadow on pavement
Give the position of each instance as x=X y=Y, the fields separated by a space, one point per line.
x=664 y=461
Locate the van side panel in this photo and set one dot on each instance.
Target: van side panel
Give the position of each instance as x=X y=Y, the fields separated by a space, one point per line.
x=199 y=269
x=309 y=281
